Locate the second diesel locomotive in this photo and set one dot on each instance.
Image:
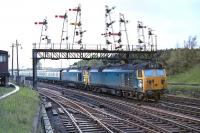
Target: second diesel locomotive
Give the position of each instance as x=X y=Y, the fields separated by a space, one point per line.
x=143 y=81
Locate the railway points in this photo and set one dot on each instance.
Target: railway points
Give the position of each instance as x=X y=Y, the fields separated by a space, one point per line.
x=108 y=122
x=141 y=112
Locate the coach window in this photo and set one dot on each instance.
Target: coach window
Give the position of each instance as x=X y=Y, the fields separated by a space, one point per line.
x=140 y=73
x=3 y=58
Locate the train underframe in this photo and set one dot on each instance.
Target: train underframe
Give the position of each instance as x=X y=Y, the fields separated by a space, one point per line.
x=4 y=78
x=127 y=93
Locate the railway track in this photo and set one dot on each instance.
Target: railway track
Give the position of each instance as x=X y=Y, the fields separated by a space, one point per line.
x=101 y=121
x=75 y=120
x=187 y=110
x=182 y=100
x=157 y=120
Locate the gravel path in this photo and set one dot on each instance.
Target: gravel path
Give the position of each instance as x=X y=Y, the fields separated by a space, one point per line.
x=10 y=93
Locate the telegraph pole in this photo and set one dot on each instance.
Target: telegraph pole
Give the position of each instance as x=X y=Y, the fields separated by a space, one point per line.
x=12 y=59
x=17 y=60
x=17 y=44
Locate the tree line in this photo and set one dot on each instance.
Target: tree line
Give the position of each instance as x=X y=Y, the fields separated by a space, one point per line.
x=183 y=57
x=177 y=60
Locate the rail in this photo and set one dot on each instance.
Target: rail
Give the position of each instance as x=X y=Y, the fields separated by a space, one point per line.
x=69 y=115
x=110 y=121
x=83 y=110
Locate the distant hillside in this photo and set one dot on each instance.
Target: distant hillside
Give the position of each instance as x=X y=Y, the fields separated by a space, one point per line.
x=192 y=75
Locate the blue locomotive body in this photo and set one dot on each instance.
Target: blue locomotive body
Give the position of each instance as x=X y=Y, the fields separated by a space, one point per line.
x=119 y=77
x=146 y=80
x=74 y=75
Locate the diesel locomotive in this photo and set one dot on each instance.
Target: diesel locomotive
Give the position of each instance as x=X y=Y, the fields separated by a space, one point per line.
x=141 y=81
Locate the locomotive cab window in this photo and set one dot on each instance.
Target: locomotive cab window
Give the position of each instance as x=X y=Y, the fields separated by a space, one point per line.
x=154 y=73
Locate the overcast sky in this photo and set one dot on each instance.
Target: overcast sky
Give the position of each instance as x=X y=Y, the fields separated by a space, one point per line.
x=172 y=20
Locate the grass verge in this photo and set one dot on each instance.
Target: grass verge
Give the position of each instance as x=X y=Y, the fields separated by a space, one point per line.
x=18 y=110
x=4 y=90
x=190 y=76
x=185 y=91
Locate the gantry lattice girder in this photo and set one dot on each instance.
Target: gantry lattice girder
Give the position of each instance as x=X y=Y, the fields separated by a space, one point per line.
x=55 y=54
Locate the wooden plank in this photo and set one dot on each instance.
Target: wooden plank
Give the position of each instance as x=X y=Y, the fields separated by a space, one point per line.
x=54 y=112
x=60 y=111
x=48 y=105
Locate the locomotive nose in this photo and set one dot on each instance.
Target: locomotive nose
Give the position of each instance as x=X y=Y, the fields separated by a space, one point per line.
x=154 y=83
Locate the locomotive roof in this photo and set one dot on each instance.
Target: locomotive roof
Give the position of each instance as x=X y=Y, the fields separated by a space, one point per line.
x=72 y=69
x=149 y=65
x=122 y=67
x=3 y=52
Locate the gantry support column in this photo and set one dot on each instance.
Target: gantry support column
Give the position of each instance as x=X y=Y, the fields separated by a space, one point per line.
x=35 y=60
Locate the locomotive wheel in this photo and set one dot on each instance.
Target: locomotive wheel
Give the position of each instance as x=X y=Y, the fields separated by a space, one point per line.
x=86 y=87
x=119 y=93
x=63 y=92
x=140 y=96
x=157 y=96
